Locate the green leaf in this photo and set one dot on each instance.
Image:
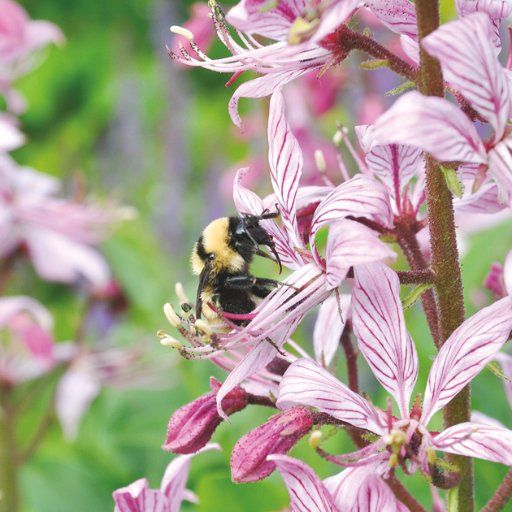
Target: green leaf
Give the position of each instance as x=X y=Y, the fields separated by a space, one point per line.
x=415 y=294
x=452 y=181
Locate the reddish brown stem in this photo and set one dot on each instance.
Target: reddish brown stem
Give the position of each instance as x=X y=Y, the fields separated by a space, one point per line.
x=351 y=357
x=502 y=495
x=403 y=495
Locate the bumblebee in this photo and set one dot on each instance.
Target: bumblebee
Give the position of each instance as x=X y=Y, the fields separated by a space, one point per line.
x=221 y=257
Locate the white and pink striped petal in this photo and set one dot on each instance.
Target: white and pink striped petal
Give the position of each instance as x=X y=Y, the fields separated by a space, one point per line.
x=375 y=496
x=500 y=166
x=479 y=440
x=470 y=65
x=379 y=326
x=307 y=492
x=470 y=347
x=307 y=383
x=350 y=244
x=398 y=15
x=285 y=159
x=432 y=124
x=329 y=325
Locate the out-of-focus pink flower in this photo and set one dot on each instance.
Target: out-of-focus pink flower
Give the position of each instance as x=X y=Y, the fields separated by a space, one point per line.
x=192 y=425
x=468 y=58
x=20 y=37
x=28 y=350
x=89 y=371
x=57 y=234
x=279 y=434
x=138 y=497
x=379 y=326
x=10 y=137
x=505 y=361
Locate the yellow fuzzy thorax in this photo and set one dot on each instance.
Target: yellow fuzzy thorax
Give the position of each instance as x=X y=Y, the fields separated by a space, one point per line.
x=215 y=240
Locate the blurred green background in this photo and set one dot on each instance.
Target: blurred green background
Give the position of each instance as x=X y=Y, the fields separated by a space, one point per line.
x=112 y=107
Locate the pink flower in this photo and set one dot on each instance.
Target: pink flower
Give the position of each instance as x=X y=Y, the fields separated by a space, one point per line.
x=57 y=234
x=300 y=32
x=28 y=349
x=352 y=490
x=138 y=497
x=379 y=325
x=192 y=425
x=20 y=37
x=314 y=277
x=10 y=137
x=279 y=434
x=470 y=65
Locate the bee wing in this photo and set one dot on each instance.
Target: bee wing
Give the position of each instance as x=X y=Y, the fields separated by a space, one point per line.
x=204 y=277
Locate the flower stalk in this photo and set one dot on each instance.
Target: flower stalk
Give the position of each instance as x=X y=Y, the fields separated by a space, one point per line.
x=445 y=258
x=502 y=495
x=9 y=497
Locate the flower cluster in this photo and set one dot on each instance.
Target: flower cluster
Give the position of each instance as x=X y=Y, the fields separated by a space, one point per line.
x=342 y=233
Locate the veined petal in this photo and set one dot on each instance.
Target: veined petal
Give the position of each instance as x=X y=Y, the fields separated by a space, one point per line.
x=329 y=327
x=306 y=383
x=470 y=64
x=470 y=347
x=374 y=496
x=247 y=202
x=505 y=361
x=337 y=13
x=398 y=15
x=263 y=86
x=176 y=475
x=379 y=326
x=500 y=166
x=495 y=9
x=254 y=17
x=394 y=164
x=138 y=497
x=361 y=196
x=285 y=159
x=349 y=244
x=307 y=492
x=432 y=124
x=483 y=441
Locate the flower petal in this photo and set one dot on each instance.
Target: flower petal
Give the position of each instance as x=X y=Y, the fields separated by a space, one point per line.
x=432 y=124
x=285 y=159
x=470 y=347
x=328 y=328
x=495 y=9
x=254 y=17
x=398 y=15
x=500 y=166
x=307 y=492
x=349 y=244
x=375 y=495
x=483 y=441
x=260 y=87
x=175 y=478
x=470 y=64
x=138 y=497
x=379 y=326
x=505 y=361
x=306 y=383
x=361 y=196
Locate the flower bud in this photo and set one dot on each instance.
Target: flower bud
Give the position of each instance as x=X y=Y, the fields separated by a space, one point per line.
x=192 y=425
x=249 y=458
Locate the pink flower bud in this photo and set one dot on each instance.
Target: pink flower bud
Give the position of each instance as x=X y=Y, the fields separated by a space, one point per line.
x=192 y=425
x=249 y=458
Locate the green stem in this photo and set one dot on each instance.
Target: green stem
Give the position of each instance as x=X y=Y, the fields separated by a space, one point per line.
x=445 y=258
x=9 y=500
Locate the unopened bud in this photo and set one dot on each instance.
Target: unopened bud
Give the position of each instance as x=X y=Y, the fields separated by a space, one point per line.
x=182 y=31
x=192 y=426
x=249 y=457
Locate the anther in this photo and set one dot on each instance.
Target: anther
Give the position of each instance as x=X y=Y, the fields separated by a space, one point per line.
x=182 y=31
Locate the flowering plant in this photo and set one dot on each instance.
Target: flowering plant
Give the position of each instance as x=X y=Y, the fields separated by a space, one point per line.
x=350 y=239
